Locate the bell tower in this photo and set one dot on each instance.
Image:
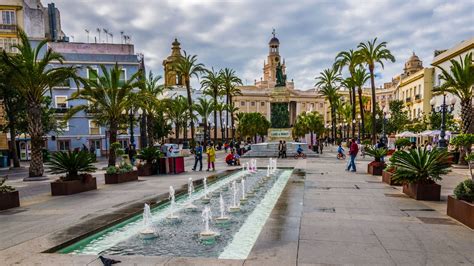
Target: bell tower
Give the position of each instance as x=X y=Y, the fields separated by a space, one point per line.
x=273 y=59
x=171 y=77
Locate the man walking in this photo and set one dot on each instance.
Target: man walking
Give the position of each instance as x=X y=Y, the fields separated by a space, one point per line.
x=198 y=156
x=280 y=149
x=353 y=150
x=283 y=151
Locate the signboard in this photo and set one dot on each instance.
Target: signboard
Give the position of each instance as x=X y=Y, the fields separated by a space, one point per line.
x=279 y=134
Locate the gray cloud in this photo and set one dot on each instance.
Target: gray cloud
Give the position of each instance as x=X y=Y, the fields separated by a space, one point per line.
x=231 y=33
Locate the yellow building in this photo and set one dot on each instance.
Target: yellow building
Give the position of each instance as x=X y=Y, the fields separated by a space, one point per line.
x=171 y=77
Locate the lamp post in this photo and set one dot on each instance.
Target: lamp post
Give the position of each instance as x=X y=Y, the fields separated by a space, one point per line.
x=443 y=109
x=358 y=133
x=131 y=115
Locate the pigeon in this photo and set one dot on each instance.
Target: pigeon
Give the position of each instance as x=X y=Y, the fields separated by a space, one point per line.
x=108 y=262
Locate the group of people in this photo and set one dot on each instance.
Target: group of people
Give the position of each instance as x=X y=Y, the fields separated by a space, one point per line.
x=211 y=156
x=353 y=151
x=282 y=149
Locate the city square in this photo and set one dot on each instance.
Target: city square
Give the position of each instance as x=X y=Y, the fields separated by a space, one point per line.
x=150 y=133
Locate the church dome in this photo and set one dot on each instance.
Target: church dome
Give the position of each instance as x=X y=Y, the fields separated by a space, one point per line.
x=274 y=40
x=413 y=64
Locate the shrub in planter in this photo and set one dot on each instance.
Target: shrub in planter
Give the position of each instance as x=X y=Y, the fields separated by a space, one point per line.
x=376 y=167
x=149 y=155
x=464 y=143
x=418 y=170
x=461 y=206
x=470 y=162
x=76 y=165
x=123 y=173
x=9 y=197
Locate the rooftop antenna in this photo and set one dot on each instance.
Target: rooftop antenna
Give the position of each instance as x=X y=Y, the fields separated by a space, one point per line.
x=111 y=36
x=87 y=32
x=121 y=36
x=106 y=35
x=99 y=30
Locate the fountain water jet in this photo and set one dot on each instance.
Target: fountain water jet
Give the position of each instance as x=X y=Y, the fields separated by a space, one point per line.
x=190 y=207
x=223 y=219
x=235 y=207
x=243 y=200
x=148 y=230
x=172 y=216
x=206 y=199
x=207 y=236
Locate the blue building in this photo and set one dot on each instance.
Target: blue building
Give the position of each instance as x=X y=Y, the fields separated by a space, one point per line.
x=81 y=130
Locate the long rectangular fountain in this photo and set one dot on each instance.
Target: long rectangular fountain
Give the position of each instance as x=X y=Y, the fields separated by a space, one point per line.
x=220 y=220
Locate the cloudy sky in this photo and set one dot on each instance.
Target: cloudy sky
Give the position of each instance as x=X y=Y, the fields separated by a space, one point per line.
x=235 y=33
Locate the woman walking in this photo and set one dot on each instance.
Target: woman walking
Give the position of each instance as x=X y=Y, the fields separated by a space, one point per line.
x=211 y=157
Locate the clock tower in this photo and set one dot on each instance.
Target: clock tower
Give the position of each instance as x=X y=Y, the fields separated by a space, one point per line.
x=273 y=59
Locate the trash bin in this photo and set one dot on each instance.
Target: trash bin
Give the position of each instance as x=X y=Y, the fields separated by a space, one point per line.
x=3 y=161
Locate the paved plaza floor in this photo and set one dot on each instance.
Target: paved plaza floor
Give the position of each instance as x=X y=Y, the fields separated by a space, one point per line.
x=325 y=215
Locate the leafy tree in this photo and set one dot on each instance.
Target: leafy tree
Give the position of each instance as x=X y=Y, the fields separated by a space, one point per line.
x=32 y=76
x=148 y=99
x=460 y=82
x=398 y=118
x=108 y=99
x=188 y=67
x=252 y=125
x=177 y=111
x=311 y=122
x=372 y=54
x=434 y=120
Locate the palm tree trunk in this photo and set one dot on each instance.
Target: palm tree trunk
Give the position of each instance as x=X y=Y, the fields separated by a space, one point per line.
x=143 y=131
x=176 y=128
x=35 y=128
x=149 y=127
x=222 y=129
x=361 y=106
x=215 y=118
x=353 y=111
x=112 y=140
x=372 y=83
x=13 y=149
x=466 y=116
x=190 y=103
x=227 y=100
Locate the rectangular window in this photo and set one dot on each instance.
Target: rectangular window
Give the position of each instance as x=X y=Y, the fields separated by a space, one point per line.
x=7 y=43
x=242 y=103
x=321 y=105
x=94 y=128
x=8 y=17
x=92 y=73
x=94 y=144
x=123 y=76
x=61 y=102
x=64 y=145
x=262 y=103
x=252 y=104
x=123 y=143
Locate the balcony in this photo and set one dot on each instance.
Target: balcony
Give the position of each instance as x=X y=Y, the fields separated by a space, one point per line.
x=408 y=100
x=8 y=28
x=418 y=98
x=61 y=110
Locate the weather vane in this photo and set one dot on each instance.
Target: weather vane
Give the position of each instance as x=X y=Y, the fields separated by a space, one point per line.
x=273 y=32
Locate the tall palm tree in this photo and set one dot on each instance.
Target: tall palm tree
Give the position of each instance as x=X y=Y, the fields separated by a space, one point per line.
x=350 y=59
x=188 y=67
x=359 y=78
x=148 y=95
x=212 y=84
x=231 y=109
x=108 y=98
x=460 y=81
x=32 y=76
x=230 y=81
x=221 y=107
x=371 y=54
x=204 y=108
x=328 y=81
x=177 y=111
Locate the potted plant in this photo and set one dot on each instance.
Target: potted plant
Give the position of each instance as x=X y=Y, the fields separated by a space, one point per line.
x=418 y=170
x=387 y=176
x=76 y=165
x=9 y=196
x=149 y=155
x=461 y=206
x=120 y=174
x=376 y=167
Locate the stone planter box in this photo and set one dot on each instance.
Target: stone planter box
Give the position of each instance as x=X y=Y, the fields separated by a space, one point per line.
x=62 y=188
x=387 y=178
x=430 y=192
x=146 y=170
x=461 y=210
x=121 y=178
x=375 y=168
x=9 y=200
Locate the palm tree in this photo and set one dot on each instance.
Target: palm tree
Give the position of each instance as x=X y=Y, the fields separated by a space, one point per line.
x=328 y=81
x=372 y=53
x=359 y=78
x=230 y=81
x=204 y=108
x=221 y=107
x=32 y=76
x=350 y=59
x=108 y=99
x=212 y=84
x=460 y=81
x=149 y=92
x=187 y=67
x=232 y=109
x=178 y=112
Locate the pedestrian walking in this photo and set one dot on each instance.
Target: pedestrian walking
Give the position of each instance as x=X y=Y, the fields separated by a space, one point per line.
x=211 y=157
x=280 y=149
x=284 y=149
x=321 y=146
x=353 y=150
x=198 y=156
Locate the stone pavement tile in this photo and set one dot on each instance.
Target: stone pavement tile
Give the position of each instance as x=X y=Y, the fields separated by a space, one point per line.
x=202 y=261
x=273 y=253
x=404 y=257
x=336 y=252
x=344 y=232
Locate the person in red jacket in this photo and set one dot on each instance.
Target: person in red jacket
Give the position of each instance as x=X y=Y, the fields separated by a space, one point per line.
x=353 y=150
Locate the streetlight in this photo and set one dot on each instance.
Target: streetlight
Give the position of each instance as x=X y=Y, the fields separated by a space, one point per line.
x=131 y=115
x=443 y=109
x=359 y=119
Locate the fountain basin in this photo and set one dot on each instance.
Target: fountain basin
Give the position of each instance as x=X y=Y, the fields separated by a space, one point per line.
x=190 y=208
x=222 y=220
x=148 y=233
x=243 y=201
x=206 y=200
x=234 y=209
